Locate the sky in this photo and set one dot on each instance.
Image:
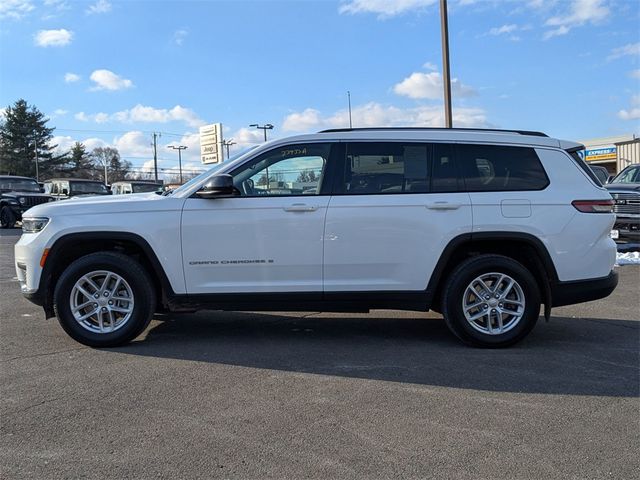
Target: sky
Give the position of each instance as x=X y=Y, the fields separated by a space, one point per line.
x=110 y=73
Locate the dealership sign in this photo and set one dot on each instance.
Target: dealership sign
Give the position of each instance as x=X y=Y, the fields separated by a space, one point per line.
x=211 y=143
x=608 y=153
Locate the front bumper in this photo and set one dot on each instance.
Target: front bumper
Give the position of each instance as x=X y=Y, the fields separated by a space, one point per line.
x=628 y=229
x=569 y=293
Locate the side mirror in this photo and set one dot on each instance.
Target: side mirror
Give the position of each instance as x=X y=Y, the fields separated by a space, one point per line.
x=41 y=189
x=219 y=186
x=65 y=191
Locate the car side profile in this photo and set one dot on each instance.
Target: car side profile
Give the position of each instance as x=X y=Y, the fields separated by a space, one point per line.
x=484 y=226
x=17 y=195
x=63 y=188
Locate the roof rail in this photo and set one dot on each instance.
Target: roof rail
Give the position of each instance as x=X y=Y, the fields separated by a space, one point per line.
x=377 y=129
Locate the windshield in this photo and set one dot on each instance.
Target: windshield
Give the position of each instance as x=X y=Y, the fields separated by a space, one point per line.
x=628 y=175
x=19 y=185
x=145 y=187
x=212 y=170
x=89 y=187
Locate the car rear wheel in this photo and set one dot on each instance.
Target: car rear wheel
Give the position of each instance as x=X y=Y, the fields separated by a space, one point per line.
x=104 y=299
x=7 y=218
x=491 y=301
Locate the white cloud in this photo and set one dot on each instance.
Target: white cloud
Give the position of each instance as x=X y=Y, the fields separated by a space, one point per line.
x=579 y=13
x=145 y=114
x=430 y=86
x=634 y=112
x=635 y=74
x=630 y=49
x=53 y=38
x=101 y=6
x=71 y=77
x=376 y=115
x=504 y=29
x=134 y=144
x=107 y=80
x=384 y=8
x=179 y=36
x=82 y=117
x=15 y=9
x=430 y=66
x=65 y=143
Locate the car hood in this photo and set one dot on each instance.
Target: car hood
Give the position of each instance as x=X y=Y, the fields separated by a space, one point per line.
x=623 y=187
x=100 y=204
x=14 y=193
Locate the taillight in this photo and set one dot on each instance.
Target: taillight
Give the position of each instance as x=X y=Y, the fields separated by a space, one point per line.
x=593 y=206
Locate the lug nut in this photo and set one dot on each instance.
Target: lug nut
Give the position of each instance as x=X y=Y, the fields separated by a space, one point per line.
x=96 y=295
x=487 y=297
x=110 y=302
x=485 y=306
x=106 y=294
x=497 y=296
x=104 y=309
x=500 y=305
x=95 y=305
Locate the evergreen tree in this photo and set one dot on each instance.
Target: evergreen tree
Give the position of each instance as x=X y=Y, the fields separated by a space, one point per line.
x=23 y=131
x=79 y=162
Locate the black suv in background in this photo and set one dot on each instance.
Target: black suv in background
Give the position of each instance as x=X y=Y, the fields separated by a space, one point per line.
x=18 y=194
x=62 y=188
x=625 y=190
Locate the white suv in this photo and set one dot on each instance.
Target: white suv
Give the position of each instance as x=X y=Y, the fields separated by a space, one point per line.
x=483 y=226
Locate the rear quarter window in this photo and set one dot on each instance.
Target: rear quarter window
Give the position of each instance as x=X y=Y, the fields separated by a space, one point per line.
x=493 y=168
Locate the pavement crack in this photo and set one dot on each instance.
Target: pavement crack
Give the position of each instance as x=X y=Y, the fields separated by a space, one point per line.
x=44 y=354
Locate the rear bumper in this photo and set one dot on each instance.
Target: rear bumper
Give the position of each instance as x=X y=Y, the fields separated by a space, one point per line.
x=569 y=293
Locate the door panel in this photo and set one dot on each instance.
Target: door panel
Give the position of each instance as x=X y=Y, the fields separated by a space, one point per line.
x=389 y=242
x=253 y=244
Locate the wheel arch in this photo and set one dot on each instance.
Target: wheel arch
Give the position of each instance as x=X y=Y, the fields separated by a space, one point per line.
x=72 y=246
x=522 y=247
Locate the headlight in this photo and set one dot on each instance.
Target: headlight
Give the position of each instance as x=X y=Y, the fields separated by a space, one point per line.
x=34 y=224
x=22 y=200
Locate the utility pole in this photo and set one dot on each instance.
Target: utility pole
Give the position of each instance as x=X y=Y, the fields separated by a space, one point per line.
x=349 y=97
x=179 y=148
x=228 y=143
x=446 y=76
x=35 y=148
x=264 y=128
x=155 y=154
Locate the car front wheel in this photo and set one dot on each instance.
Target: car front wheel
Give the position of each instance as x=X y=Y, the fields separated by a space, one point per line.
x=491 y=301
x=104 y=299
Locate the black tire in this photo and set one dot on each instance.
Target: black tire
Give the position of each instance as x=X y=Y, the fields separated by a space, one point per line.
x=7 y=218
x=454 y=292
x=137 y=279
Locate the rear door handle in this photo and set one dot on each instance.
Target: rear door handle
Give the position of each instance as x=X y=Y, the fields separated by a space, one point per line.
x=443 y=206
x=300 y=207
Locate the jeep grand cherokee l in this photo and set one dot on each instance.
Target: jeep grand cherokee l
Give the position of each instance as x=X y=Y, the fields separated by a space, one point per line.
x=483 y=226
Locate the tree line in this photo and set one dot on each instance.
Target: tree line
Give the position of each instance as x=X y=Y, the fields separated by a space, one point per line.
x=27 y=149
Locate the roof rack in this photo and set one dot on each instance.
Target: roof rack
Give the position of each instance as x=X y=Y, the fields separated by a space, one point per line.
x=377 y=129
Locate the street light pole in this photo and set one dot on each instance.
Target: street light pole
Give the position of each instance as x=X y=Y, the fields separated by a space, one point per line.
x=264 y=128
x=179 y=148
x=446 y=76
x=349 y=97
x=228 y=143
x=35 y=148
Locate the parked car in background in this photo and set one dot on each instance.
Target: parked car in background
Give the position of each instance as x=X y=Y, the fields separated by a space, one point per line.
x=62 y=188
x=17 y=195
x=625 y=190
x=601 y=172
x=136 y=186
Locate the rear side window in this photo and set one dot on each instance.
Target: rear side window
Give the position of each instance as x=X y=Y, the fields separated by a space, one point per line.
x=383 y=168
x=585 y=168
x=492 y=168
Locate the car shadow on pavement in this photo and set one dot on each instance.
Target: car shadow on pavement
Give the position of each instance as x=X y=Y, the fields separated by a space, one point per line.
x=567 y=356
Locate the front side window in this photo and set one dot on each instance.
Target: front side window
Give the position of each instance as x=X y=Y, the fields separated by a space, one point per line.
x=288 y=170
x=381 y=168
x=492 y=168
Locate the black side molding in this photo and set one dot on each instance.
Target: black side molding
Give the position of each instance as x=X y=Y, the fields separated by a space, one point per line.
x=569 y=293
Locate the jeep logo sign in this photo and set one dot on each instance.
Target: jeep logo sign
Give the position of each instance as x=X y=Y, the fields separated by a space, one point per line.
x=211 y=143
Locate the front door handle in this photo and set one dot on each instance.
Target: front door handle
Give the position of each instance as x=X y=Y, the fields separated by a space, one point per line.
x=300 y=207
x=443 y=206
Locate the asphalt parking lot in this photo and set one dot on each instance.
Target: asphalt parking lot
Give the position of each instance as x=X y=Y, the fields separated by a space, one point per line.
x=389 y=394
